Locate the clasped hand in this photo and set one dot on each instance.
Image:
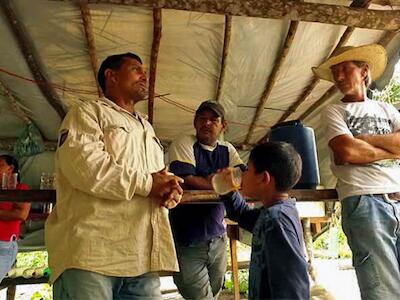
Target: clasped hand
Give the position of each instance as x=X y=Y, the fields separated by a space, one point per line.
x=166 y=188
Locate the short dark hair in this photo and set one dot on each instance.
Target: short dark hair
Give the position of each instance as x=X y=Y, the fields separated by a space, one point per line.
x=281 y=161
x=113 y=62
x=12 y=161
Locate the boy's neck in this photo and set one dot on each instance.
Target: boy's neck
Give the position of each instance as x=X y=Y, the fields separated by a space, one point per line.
x=273 y=198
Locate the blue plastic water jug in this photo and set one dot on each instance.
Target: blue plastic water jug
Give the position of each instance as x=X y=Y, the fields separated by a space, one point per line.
x=303 y=140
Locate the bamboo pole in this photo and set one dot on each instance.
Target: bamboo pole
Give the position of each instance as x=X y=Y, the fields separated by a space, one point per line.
x=88 y=28
x=157 y=27
x=15 y=106
x=27 y=48
x=225 y=51
x=272 y=78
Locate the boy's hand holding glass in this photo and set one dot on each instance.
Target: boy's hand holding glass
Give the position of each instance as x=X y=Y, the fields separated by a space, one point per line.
x=227 y=180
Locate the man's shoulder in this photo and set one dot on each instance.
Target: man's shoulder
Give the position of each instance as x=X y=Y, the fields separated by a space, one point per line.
x=184 y=141
x=226 y=144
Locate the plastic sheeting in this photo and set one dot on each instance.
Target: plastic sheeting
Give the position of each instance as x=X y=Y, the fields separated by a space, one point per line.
x=189 y=65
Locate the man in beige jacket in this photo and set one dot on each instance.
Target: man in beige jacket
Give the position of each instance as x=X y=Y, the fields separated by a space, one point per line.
x=109 y=234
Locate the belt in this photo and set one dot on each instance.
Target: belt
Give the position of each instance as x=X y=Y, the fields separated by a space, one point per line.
x=394 y=196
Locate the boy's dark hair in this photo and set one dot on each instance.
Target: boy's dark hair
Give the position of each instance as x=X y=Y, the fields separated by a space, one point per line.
x=11 y=161
x=281 y=161
x=113 y=62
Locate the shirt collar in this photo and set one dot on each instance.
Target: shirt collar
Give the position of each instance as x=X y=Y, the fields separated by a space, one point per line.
x=115 y=106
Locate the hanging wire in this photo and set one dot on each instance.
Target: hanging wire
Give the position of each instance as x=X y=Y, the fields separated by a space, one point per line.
x=95 y=93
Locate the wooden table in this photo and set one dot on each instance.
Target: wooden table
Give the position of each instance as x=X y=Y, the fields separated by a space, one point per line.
x=193 y=196
x=189 y=197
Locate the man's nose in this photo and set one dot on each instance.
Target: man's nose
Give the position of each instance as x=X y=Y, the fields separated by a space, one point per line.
x=208 y=122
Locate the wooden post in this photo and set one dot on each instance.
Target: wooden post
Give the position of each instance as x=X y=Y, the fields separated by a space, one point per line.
x=11 y=292
x=233 y=235
x=157 y=26
x=308 y=241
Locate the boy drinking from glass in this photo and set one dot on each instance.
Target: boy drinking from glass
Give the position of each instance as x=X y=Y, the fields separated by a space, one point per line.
x=278 y=269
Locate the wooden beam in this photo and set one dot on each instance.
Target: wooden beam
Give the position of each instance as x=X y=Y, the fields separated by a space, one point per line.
x=189 y=196
x=329 y=93
x=272 y=78
x=385 y=40
x=27 y=48
x=7 y=144
x=342 y=42
x=157 y=27
x=88 y=28
x=225 y=51
x=15 y=106
x=272 y=9
x=200 y=196
x=387 y=2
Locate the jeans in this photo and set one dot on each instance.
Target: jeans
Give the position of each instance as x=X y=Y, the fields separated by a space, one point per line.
x=8 y=253
x=371 y=224
x=202 y=269
x=75 y=284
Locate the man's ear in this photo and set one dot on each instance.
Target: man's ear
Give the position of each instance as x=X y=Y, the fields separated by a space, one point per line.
x=364 y=71
x=266 y=177
x=109 y=75
x=224 y=124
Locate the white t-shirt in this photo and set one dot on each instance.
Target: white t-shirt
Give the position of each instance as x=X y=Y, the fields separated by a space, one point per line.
x=356 y=118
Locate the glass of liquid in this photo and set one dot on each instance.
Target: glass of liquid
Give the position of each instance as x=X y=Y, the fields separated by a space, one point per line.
x=228 y=180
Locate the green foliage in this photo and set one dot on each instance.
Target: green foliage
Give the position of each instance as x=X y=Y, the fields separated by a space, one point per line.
x=32 y=259
x=45 y=293
x=243 y=281
x=35 y=259
x=333 y=243
x=391 y=93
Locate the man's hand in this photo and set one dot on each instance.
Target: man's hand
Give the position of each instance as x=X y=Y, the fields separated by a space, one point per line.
x=164 y=184
x=173 y=199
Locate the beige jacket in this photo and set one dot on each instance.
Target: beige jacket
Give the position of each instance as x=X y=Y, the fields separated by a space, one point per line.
x=103 y=220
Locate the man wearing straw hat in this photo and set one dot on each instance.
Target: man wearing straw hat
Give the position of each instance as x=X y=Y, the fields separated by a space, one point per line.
x=364 y=141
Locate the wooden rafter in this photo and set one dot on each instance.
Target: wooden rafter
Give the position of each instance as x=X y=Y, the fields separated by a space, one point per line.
x=343 y=40
x=16 y=107
x=387 y=2
x=272 y=78
x=27 y=49
x=88 y=28
x=225 y=50
x=307 y=92
x=385 y=40
x=7 y=144
x=272 y=9
x=157 y=27
x=329 y=93
x=14 y=104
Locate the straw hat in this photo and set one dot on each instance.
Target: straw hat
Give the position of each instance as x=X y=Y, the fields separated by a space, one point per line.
x=374 y=55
